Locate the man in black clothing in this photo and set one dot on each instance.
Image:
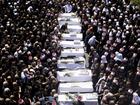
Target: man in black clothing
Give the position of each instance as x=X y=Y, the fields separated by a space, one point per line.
x=78 y=103
x=64 y=28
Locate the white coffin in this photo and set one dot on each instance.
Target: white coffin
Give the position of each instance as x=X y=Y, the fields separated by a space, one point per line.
x=72 y=44
x=71 y=63
x=74 y=28
x=72 y=36
x=70 y=21
x=87 y=98
x=67 y=15
x=74 y=75
x=77 y=52
x=75 y=87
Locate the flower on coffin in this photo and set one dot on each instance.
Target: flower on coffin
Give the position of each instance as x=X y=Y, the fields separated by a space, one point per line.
x=76 y=49
x=73 y=35
x=77 y=41
x=65 y=62
x=67 y=74
x=79 y=62
x=84 y=73
x=67 y=19
x=74 y=98
x=70 y=96
x=70 y=50
x=73 y=15
x=78 y=98
x=62 y=19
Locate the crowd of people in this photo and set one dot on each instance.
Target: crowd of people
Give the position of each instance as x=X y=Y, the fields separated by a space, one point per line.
x=111 y=32
x=29 y=51
x=29 y=35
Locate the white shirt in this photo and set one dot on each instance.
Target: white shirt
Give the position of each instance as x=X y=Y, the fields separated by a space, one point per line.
x=29 y=9
x=23 y=75
x=136 y=98
x=68 y=8
x=92 y=40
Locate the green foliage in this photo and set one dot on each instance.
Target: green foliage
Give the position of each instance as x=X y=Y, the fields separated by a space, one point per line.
x=136 y=2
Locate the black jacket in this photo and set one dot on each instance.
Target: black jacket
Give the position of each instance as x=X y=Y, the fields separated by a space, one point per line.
x=78 y=103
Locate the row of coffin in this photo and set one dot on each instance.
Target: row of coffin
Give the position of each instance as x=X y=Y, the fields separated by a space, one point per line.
x=75 y=80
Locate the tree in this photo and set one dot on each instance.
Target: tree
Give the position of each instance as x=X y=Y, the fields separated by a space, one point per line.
x=136 y=2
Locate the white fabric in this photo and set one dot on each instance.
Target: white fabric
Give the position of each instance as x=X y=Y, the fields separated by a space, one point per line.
x=98 y=84
x=92 y=41
x=74 y=28
x=72 y=52
x=75 y=87
x=67 y=15
x=70 y=21
x=136 y=99
x=71 y=63
x=118 y=56
x=74 y=75
x=72 y=36
x=68 y=8
x=29 y=9
x=87 y=98
x=72 y=44
x=23 y=75
x=75 y=19
x=103 y=59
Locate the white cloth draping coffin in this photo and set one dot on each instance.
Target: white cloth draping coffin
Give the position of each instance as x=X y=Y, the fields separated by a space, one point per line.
x=67 y=15
x=75 y=87
x=74 y=28
x=87 y=98
x=70 y=63
x=72 y=44
x=74 y=75
x=69 y=21
x=72 y=52
x=72 y=36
